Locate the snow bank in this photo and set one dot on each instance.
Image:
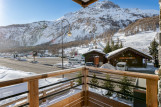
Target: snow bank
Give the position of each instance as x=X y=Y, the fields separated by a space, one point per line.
x=108 y=66
x=9 y=74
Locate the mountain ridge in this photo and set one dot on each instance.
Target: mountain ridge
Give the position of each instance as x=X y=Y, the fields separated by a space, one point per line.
x=96 y=19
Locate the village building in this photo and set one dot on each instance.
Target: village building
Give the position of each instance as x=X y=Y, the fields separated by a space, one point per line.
x=96 y=56
x=131 y=56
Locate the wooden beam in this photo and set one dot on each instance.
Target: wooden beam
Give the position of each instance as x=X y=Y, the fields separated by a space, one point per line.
x=40 y=76
x=78 y=1
x=151 y=93
x=102 y=101
x=33 y=95
x=84 y=4
x=91 y=2
x=125 y=73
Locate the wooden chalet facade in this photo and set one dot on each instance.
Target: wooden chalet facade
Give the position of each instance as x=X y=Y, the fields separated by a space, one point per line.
x=132 y=57
x=90 y=56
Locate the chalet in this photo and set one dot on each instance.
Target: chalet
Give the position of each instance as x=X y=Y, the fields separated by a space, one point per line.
x=132 y=57
x=96 y=56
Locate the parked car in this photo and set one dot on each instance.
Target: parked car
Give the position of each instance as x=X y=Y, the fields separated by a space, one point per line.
x=122 y=66
x=89 y=64
x=76 y=60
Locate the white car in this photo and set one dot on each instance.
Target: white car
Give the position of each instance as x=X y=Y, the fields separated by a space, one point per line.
x=122 y=66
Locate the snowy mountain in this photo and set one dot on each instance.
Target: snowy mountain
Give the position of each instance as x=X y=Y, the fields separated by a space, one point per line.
x=137 y=35
x=96 y=19
x=140 y=41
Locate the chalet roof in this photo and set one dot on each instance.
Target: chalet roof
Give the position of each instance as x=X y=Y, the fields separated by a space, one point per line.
x=84 y=3
x=95 y=50
x=119 y=51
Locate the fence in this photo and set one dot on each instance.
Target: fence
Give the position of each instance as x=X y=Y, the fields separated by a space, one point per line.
x=84 y=98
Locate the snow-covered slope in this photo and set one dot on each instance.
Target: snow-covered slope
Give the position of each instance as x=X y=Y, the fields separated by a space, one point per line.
x=96 y=18
x=140 y=41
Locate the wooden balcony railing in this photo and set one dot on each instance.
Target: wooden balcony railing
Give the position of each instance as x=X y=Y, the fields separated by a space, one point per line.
x=85 y=97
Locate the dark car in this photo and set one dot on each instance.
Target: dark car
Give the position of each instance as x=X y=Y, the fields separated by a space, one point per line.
x=89 y=64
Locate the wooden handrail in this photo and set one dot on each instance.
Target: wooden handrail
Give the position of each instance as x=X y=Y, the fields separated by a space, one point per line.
x=33 y=95
x=39 y=76
x=125 y=73
x=151 y=83
x=60 y=72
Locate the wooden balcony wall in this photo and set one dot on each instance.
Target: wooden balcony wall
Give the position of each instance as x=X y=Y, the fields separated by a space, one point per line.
x=85 y=97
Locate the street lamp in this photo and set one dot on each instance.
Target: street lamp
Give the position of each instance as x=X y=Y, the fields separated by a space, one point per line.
x=64 y=32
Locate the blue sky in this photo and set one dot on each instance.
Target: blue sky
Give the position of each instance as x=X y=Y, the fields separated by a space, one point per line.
x=27 y=11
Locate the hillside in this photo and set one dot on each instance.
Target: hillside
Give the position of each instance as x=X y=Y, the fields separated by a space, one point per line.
x=97 y=18
x=145 y=24
x=147 y=30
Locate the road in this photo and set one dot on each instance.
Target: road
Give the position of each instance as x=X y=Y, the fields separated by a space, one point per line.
x=44 y=65
x=27 y=66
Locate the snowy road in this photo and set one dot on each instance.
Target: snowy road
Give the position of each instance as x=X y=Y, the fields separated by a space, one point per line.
x=29 y=67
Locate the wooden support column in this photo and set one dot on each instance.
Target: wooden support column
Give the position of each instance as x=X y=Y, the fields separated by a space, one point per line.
x=151 y=93
x=33 y=95
x=44 y=95
x=71 y=84
x=85 y=86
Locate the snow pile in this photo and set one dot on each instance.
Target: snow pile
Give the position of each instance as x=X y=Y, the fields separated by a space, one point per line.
x=59 y=98
x=9 y=74
x=108 y=66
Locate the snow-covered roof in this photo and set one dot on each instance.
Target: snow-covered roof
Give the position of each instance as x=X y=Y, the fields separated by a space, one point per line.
x=96 y=50
x=108 y=55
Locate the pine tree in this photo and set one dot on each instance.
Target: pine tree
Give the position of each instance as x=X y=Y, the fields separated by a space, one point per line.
x=112 y=45
x=79 y=81
x=107 y=49
x=121 y=45
x=125 y=89
x=117 y=44
x=153 y=50
x=108 y=85
x=94 y=81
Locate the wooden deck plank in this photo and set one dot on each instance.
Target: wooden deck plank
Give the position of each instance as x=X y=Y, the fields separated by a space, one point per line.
x=67 y=102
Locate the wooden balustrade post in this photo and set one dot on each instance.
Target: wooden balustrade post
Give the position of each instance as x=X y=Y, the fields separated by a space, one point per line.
x=151 y=93
x=85 y=86
x=71 y=84
x=33 y=95
x=44 y=95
